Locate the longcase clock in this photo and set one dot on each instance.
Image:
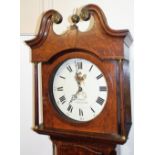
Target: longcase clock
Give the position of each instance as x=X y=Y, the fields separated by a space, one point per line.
x=85 y=84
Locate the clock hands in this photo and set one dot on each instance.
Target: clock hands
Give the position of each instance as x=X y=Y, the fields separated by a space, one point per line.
x=74 y=97
x=78 y=75
x=80 y=94
x=80 y=79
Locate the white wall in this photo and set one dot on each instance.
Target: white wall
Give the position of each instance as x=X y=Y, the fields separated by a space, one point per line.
x=120 y=15
x=30 y=15
x=31 y=142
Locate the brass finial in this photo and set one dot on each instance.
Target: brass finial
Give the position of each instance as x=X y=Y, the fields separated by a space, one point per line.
x=75 y=18
x=57 y=18
x=85 y=14
x=123 y=137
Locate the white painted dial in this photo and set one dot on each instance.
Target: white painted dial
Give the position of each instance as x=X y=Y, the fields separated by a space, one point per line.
x=79 y=89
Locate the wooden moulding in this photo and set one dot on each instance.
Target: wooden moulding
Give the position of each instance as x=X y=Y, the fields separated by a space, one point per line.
x=47 y=44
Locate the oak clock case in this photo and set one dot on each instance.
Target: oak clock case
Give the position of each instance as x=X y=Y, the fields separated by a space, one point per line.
x=85 y=84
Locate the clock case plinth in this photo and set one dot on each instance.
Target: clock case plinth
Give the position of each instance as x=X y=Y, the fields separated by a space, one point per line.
x=110 y=50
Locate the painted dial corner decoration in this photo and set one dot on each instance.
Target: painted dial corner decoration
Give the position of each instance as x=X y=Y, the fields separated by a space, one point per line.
x=79 y=89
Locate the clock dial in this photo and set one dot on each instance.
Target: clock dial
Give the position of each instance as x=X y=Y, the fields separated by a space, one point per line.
x=79 y=89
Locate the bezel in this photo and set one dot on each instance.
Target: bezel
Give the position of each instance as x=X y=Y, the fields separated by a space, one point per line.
x=51 y=94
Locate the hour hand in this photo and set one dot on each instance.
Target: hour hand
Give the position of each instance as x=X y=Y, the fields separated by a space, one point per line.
x=74 y=97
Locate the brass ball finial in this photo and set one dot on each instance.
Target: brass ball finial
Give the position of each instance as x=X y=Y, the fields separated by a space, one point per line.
x=57 y=18
x=75 y=18
x=85 y=14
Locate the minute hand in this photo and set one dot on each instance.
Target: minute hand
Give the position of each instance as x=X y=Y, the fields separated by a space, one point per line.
x=79 y=78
